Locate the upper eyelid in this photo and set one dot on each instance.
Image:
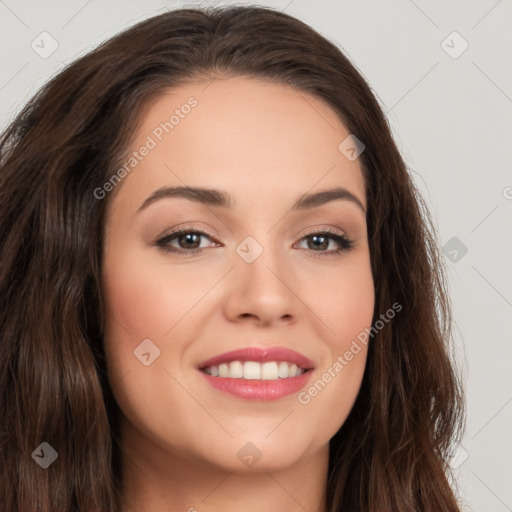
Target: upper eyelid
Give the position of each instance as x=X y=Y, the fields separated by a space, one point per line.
x=330 y=230
x=182 y=231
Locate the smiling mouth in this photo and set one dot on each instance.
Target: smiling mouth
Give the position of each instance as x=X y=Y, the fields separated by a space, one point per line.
x=252 y=370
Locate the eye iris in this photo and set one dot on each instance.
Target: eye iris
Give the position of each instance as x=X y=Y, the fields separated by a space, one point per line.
x=319 y=242
x=191 y=238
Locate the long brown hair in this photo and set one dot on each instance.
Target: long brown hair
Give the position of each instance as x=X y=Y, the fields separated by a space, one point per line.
x=390 y=454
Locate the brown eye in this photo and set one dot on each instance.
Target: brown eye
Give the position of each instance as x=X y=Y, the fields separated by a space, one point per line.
x=320 y=242
x=327 y=242
x=190 y=240
x=185 y=241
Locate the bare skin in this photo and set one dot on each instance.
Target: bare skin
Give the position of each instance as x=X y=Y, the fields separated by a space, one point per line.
x=265 y=145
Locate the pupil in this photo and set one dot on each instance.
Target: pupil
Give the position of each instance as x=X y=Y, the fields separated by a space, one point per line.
x=190 y=238
x=323 y=242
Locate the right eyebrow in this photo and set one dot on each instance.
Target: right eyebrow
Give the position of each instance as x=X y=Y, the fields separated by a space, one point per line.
x=207 y=196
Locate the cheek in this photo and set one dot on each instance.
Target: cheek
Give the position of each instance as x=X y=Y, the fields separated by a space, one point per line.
x=344 y=301
x=145 y=299
x=353 y=307
x=342 y=298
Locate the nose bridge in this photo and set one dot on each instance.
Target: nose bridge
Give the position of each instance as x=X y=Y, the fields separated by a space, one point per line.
x=261 y=258
x=261 y=280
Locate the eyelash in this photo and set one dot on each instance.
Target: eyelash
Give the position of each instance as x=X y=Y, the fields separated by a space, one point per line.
x=340 y=238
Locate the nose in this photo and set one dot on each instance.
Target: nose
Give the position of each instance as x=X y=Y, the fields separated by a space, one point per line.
x=262 y=292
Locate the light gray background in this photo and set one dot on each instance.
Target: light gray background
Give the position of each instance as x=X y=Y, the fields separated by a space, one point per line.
x=452 y=118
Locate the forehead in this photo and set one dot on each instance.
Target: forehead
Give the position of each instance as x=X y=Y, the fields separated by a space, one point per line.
x=254 y=139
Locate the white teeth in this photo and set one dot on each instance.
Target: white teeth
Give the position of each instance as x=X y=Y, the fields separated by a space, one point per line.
x=271 y=370
x=223 y=370
x=252 y=370
x=236 y=370
x=283 y=370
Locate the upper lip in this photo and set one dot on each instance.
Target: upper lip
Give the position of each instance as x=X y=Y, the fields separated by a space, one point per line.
x=260 y=355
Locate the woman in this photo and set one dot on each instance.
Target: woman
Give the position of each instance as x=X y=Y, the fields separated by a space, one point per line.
x=220 y=287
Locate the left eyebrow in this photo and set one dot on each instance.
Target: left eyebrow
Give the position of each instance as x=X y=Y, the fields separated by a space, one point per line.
x=326 y=196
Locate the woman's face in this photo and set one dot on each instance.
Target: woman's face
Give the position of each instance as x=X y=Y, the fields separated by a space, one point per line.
x=255 y=270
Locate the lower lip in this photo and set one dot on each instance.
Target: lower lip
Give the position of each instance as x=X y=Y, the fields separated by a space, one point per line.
x=256 y=389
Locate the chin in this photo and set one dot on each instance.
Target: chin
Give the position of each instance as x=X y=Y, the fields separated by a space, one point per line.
x=251 y=455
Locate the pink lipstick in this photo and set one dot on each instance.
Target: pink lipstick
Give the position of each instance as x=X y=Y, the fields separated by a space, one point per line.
x=260 y=374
